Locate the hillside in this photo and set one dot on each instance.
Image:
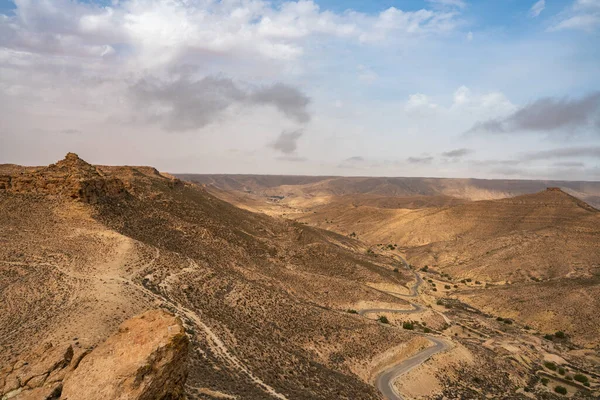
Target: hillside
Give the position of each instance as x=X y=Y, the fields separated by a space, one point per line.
x=86 y=247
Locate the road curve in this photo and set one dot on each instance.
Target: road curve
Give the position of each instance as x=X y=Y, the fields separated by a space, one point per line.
x=385 y=380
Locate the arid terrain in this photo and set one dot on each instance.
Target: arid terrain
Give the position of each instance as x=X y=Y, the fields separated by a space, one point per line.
x=315 y=300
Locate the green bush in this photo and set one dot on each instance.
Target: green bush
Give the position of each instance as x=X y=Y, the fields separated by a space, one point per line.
x=548 y=337
x=508 y=321
x=560 y=335
x=550 y=365
x=425 y=268
x=569 y=377
x=352 y=311
x=581 y=378
x=383 y=319
x=447 y=287
x=499 y=319
x=545 y=381
x=586 y=384
x=426 y=330
x=561 y=371
x=408 y=325
x=560 y=390
x=439 y=302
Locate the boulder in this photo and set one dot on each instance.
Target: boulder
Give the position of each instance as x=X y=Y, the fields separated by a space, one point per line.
x=146 y=359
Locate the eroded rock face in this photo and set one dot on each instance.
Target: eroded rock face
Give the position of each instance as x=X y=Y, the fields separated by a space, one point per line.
x=145 y=360
x=71 y=177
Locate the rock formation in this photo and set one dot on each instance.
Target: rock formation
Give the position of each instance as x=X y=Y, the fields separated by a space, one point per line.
x=145 y=360
x=70 y=177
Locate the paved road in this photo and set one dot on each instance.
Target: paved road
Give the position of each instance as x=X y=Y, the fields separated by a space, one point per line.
x=385 y=380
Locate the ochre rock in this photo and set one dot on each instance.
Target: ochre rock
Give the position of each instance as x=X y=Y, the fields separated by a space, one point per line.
x=145 y=360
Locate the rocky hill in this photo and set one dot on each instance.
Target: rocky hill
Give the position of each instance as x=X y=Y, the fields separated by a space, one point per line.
x=263 y=301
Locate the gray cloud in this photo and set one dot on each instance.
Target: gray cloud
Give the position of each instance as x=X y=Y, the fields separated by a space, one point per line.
x=546 y=115
x=457 y=153
x=568 y=152
x=292 y=158
x=287 y=142
x=571 y=164
x=420 y=160
x=354 y=159
x=287 y=99
x=184 y=104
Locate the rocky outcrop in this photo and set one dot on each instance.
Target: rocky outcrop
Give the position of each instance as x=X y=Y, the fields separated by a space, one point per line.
x=145 y=360
x=71 y=177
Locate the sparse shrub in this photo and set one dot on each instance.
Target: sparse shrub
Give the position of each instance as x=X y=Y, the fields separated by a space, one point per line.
x=561 y=370
x=586 y=384
x=477 y=380
x=499 y=319
x=383 y=319
x=426 y=330
x=396 y=270
x=447 y=287
x=408 y=325
x=560 y=335
x=455 y=286
x=439 y=302
x=560 y=390
x=463 y=281
x=469 y=280
x=527 y=327
x=352 y=311
x=581 y=378
x=434 y=289
x=425 y=268
x=477 y=283
x=548 y=337
x=508 y=321
x=569 y=377
x=545 y=381
x=550 y=365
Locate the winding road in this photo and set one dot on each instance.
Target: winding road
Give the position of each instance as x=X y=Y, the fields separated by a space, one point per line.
x=385 y=380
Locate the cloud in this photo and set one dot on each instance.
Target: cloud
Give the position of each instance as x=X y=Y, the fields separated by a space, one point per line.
x=568 y=152
x=537 y=8
x=570 y=164
x=354 y=159
x=583 y=15
x=292 y=158
x=548 y=114
x=420 y=160
x=185 y=103
x=457 y=153
x=287 y=142
x=448 y=3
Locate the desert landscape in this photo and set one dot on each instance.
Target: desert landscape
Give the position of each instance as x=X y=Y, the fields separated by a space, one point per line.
x=299 y=200
x=436 y=297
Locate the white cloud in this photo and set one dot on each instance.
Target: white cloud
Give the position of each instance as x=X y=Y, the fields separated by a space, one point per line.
x=537 y=8
x=470 y=36
x=583 y=15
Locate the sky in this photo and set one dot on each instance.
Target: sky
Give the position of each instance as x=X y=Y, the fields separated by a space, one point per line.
x=504 y=89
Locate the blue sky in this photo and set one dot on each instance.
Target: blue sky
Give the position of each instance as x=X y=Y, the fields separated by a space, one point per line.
x=456 y=88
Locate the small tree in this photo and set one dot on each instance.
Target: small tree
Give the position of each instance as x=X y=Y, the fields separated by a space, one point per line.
x=408 y=325
x=581 y=378
x=550 y=365
x=383 y=319
x=560 y=390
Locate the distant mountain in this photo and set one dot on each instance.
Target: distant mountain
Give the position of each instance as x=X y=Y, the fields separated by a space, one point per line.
x=468 y=189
